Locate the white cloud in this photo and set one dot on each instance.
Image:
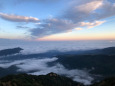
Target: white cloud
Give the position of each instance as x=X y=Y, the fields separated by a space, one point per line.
x=78 y=28
x=76 y=16
x=90 y=6
x=106 y=10
x=53 y=26
x=17 y=18
x=91 y=24
x=41 y=67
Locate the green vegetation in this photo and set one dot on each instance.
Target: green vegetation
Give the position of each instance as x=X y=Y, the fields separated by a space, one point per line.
x=50 y=79
x=106 y=82
x=98 y=64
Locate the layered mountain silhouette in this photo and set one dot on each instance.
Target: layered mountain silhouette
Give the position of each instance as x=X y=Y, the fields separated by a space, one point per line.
x=99 y=62
x=11 y=51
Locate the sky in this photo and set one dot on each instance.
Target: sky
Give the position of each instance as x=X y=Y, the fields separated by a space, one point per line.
x=54 y=20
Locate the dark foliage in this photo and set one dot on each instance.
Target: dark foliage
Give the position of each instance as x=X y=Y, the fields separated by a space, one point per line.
x=106 y=82
x=10 y=51
x=50 y=79
x=100 y=64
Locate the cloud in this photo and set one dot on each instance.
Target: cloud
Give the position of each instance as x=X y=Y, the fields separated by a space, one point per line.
x=1 y=6
x=78 y=28
x=91 y=24
x=16 y=2
x=24 y=27
x=77 y=75
x=34 y=0
x=82 y=11
x=53 y=26
x=78 y=14
x=106 y=10
x=112 y=1
x=87 y=13
x=17 y=18
x=40 y=67
x=89 y=7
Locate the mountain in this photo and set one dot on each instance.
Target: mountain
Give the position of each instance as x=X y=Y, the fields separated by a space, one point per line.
x=104 y=51
x=50 y=79
x=106 y=82
x=98 y=62
x=6 y=52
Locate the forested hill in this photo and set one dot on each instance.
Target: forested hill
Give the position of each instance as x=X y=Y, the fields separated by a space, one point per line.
x=50 y=79
x=11 y=51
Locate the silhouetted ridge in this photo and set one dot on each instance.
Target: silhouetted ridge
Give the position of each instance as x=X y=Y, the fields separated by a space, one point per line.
x=52 y=74
x=106 y=82
x=41 y=80
x=51 y=79
x=11 y=51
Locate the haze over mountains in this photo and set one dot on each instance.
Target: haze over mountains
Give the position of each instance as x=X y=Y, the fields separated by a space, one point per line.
x=57 y=42
x=84 y=66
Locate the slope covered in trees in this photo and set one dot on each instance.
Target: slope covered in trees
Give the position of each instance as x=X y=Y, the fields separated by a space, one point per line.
x=50 y=79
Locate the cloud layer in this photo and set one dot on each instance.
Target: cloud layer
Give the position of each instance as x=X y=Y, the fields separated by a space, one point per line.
x=40 y=66
x=17 y=18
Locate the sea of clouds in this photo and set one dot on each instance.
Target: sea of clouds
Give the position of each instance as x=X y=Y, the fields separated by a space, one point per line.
x=38 y=66
x=62 y=46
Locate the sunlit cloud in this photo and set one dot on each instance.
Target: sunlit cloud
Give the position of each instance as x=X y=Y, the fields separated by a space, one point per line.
x=91 y=6
x=87 y=14
x=17 y=18
x=77 y=15
x=78 y=28
x=92 y=24
x=53 y=26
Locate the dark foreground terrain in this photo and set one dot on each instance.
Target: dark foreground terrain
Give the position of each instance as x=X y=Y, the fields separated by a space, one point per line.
x=50 y=79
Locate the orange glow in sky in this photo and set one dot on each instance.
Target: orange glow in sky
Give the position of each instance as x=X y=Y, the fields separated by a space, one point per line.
x=70 y=36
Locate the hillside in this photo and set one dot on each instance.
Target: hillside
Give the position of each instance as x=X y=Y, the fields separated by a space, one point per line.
x=98 y=64
x=50 y=79
x=11 y=51
x=106 y=82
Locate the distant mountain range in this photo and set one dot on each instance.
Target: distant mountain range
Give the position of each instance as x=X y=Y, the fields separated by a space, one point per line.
x=105 y=51
x=98 y=62
x=6 y=52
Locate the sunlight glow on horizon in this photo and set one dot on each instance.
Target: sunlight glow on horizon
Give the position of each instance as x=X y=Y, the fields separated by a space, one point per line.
x=71 y=37
x=57 y=20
